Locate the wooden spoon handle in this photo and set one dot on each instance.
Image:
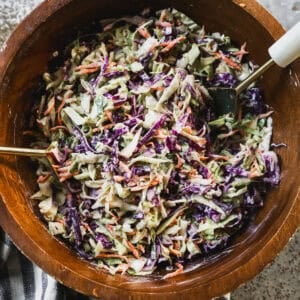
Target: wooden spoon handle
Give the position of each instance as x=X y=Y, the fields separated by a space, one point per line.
x=23 y=151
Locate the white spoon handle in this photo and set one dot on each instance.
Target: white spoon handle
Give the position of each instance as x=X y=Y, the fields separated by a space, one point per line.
x=287 y=48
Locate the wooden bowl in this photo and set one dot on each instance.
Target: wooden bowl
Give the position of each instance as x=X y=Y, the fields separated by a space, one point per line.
x=50 y=27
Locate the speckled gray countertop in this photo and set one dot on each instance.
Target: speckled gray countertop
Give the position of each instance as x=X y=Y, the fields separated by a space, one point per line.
x=279 y=280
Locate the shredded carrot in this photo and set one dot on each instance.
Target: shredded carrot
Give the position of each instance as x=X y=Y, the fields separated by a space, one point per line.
x=132 y=233
x=136 y=188
x=86 y=226
x=159 y=134
x=254 y=173
x=141 y=248
x=155 y=181
x=179 y=162
x=241 y=52
x=219 y=157
x=176 y=245
x=188 y=129
x=133 y=184
x=158 y=88
x=143 y=148
x=178 y=147
x=98 y=129
x=117 y=105
x=175 y=273
x=118 y=178
x=59 y=127
x=133 y=250
x=174 y=251
x=202 y=141
x=153 y=47
x=111 y=255
x=112 y=64
x=137 y=178
x=129 y=116
x=110 y=227
x=193 y=172
x=63 y=177
x=230 y=133
x=42 y=178
x=63 y=169
x=88 y=71
x=51 y=106
x=63 y=102
x=68 y=162
x=203 y=157
x=162 y=15
x=113 y=216
x=110 y=67
x=89 y=66
x=61 y=221
x=202 y=35
x=163 y=24
x=108 y=114
x=263 y=116
x=170 y=44
x=199 y=241
x=180 y=214
x=229 y=62
x=63 y=173
x=107 y=126
x=122 y=268
x=123 y=167
x=150 y=144
x=143 y=32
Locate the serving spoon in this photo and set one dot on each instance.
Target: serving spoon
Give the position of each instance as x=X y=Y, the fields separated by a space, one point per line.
x=282 y=53
x=30 y=152
x=24 y=152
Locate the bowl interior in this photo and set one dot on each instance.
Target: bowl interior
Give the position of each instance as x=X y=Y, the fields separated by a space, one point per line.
x=19 y=90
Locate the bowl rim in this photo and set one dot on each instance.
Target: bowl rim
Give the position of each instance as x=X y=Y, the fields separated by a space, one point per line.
x=220 y=285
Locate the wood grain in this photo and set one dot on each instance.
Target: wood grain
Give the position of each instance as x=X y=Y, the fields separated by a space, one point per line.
x=50 y=27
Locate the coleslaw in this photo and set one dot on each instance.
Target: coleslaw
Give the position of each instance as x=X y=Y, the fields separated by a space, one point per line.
x=147 y=175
